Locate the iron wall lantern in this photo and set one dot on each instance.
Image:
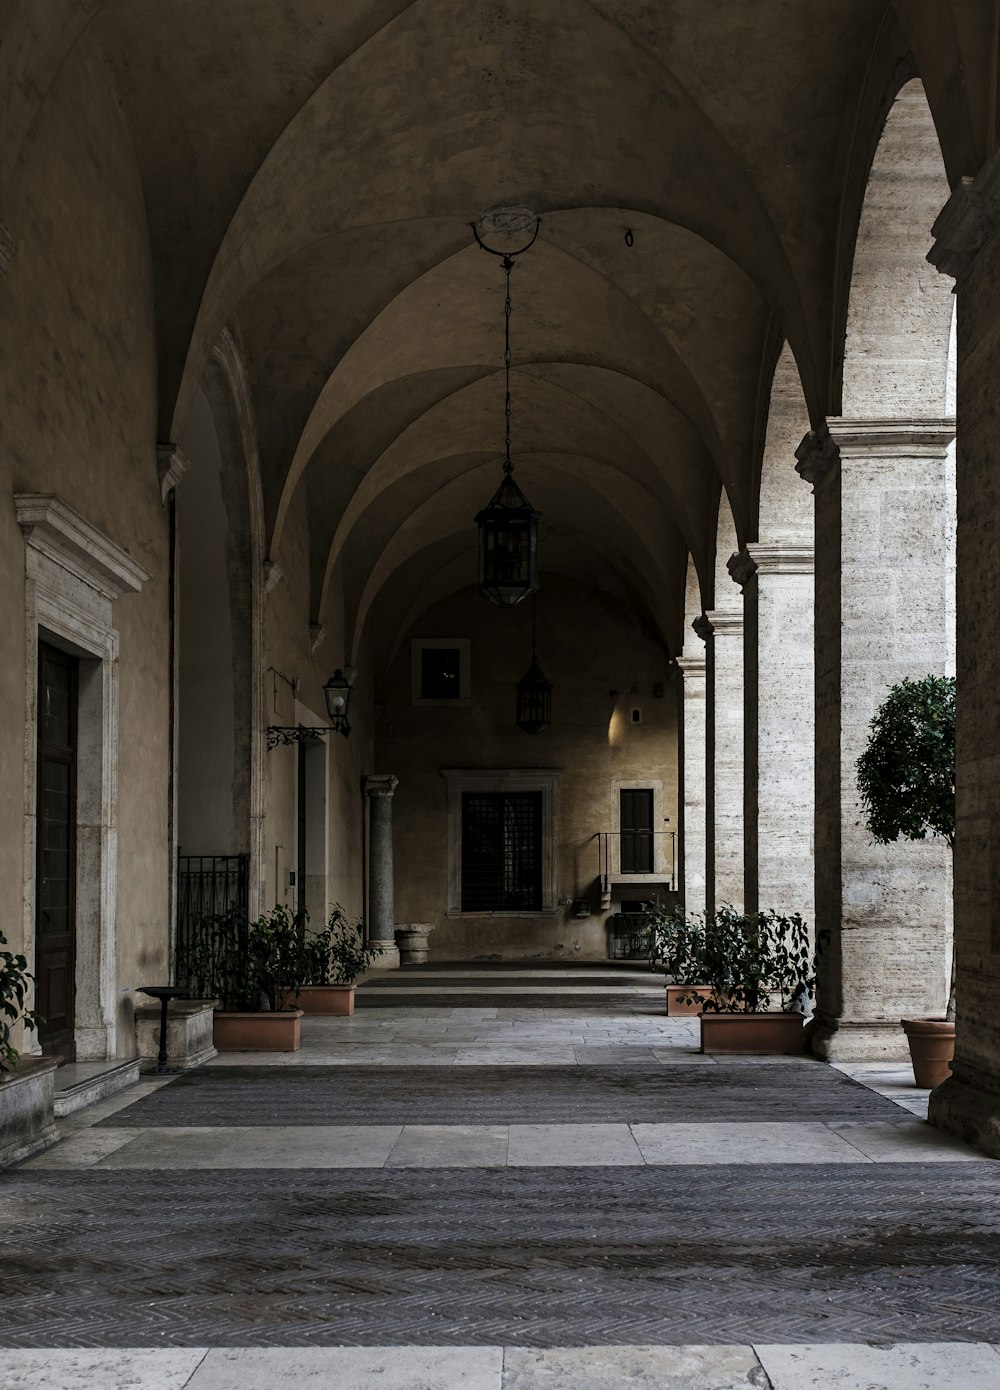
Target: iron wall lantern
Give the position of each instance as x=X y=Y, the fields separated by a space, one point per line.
x=338 y=691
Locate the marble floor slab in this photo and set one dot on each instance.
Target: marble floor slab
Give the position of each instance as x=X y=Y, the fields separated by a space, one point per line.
x=829 y=1366
x=582 y=1146
x=451 y=1146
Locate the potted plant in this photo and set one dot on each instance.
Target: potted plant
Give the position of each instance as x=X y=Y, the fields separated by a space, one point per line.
x=254 y=968
x=754 y=961
x=26 y=1085
x=332 y=960
x=677 y=945
x=906 y=779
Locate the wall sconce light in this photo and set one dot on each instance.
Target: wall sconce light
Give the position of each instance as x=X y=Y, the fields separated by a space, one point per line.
x=338 y=691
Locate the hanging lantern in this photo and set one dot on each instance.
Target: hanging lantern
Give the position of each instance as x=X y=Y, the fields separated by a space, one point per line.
x=508 y=524
x=534 y=693
x=338 y=698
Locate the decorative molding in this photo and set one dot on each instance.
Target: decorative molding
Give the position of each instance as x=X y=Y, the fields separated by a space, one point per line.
x=56 y=531
x=382 y=784
x=317 y=635
x=691 y=667
x=778 y=557
x=720 y=622
x=927 y=438
x=8 y=248
x=817 y=456
x=967 y=221
x=273 y=575
x=502 y=779
x=171 y=465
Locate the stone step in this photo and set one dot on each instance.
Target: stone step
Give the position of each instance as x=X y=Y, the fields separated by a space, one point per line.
x=79 y=1084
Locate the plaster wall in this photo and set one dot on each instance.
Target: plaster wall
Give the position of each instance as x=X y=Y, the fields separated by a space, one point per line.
x=77 y=418
x=588 y=645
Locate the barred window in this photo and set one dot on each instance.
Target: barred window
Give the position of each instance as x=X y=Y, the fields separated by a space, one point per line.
x=501 y=851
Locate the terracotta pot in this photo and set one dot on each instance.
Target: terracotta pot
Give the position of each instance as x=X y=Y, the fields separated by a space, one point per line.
x=745 y=1032
x=932 y=1047
x=330 y=1000
x=675 y=993
x=277 y=1030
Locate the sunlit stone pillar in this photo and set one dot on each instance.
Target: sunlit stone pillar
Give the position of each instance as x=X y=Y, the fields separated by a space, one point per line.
x=381 y=927
x=968 y=1103
x=693 y=764
x=722 y=630
x=777 y=583
x=882 y=550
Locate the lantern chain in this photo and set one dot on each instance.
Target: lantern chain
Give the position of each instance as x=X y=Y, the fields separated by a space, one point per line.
x=508 y=266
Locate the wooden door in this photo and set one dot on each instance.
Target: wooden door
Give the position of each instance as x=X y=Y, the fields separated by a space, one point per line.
x=636 y=831
x=55 y=882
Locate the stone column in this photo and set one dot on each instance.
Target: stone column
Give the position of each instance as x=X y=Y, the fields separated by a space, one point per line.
x=777 y=583
x=968 y=1103
x=722 y=630
x=693 y=768
x=882 y=543
x=381 y=927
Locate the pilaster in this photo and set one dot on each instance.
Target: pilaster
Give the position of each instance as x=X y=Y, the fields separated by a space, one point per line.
x=693 y=766
x=722 y=629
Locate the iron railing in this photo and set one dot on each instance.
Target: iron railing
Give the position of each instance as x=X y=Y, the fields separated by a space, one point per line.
x=630 y=936
x=208 y=886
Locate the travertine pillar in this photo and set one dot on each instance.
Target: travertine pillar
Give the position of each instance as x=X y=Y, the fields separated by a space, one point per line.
x=779 y=723
x=693 y=764
x=381 y=927
x=968 y=1104
x=882 y=541
x=722 y=630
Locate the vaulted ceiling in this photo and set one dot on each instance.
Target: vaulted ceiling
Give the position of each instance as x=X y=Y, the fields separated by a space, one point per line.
x=311 y=170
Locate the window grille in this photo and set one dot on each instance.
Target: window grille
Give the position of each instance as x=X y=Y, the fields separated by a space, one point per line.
x=501 y=851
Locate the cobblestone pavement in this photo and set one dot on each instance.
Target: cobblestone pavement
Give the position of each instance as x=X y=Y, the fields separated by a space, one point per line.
x=657 y=1219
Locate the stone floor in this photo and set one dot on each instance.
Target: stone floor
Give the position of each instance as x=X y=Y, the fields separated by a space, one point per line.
x=443 y=1191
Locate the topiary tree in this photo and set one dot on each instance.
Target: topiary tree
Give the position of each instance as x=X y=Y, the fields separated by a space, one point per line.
x=906 y=775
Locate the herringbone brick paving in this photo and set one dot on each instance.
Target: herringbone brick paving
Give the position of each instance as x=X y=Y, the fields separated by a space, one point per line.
x=335 y=1095
x=554 y=1258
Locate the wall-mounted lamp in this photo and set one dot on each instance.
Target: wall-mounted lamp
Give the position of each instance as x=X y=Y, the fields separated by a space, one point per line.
x=338 y=691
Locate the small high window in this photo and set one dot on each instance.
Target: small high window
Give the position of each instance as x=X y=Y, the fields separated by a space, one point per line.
x=439 y=670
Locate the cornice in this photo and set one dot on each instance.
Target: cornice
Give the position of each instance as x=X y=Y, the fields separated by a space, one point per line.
x=781 y=557
x=967 y=221
x=53 y=529
x=915 y=438
x=691 y=667
x=721 y=622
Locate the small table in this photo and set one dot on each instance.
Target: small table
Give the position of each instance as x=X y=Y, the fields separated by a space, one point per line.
x=164 y=993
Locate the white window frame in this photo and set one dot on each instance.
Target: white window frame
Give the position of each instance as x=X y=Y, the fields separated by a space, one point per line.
x=463 y=645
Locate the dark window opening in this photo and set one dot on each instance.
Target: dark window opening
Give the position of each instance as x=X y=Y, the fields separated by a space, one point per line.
x=636 y=831
x=439 y=673
x=501 y=851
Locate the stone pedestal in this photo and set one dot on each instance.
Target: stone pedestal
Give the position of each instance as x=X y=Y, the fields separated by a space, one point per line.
x=381 y=928
x=189 y=1033
x=693 y=764
x=968 y=1103
x=411 y=938
x=722 y=631
x=777 y=582
x=27 y=1095
x=882 y=557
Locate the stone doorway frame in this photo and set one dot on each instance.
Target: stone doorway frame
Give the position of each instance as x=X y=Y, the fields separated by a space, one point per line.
x=73 y=574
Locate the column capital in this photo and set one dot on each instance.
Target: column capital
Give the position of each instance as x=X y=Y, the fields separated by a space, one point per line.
x=914 y=438
x=720 y=622
x=690 y=667
x=818 y=456
x=383 y=784
x=171 y=465
x=967 y=221
x=772 y=557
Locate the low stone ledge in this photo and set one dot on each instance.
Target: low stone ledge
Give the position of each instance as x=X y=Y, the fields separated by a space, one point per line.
x=189 y=1033
x=960 y=1107
x=26 y=1117
x=846 y=1040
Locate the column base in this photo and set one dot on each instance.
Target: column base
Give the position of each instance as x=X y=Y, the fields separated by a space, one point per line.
x=388 y=959
x=863 y=1040
x=968 y=1106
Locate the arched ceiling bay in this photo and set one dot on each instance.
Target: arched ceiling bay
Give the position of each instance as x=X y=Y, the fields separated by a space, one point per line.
x=310 y=172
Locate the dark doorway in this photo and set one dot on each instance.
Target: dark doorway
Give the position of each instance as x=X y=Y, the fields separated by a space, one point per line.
x=636 y=832
x=501 y=851
x=55 y=881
